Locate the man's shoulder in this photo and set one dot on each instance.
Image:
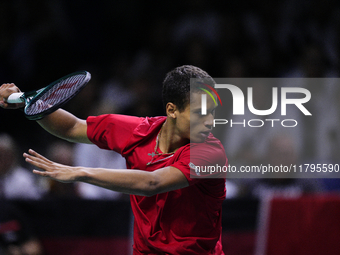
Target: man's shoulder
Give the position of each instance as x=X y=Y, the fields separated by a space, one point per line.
x=210 y=150
x=210 y=144
x=154 y=120
x=150 y=124
x=125 y=120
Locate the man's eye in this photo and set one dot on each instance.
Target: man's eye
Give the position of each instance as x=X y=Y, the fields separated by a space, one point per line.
x=212 y=111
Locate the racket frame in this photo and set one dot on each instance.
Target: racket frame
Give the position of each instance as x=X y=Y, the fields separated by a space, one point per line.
x=32 y=97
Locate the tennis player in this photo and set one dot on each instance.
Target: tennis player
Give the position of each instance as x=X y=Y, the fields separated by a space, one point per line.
x=175 y=213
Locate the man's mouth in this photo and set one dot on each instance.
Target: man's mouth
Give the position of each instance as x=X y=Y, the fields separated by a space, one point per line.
x=206 y=133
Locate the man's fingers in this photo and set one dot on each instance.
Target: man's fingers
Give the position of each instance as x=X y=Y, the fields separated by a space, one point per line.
x=36 y=154
x=48 y=168
x=36 y=160
x=5 y=91
x=33 y=155
x=5 y=105
x=41 y=173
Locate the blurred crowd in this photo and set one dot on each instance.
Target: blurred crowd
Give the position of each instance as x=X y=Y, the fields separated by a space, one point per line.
x=129 y=46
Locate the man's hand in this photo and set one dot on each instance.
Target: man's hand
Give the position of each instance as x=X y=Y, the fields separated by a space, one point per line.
x=5 y=91
x=49 y=168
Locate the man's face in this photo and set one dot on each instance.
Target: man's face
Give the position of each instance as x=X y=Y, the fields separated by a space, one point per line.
x=192 y=124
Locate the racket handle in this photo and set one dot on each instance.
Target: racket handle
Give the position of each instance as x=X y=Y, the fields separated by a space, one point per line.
x=15 y=98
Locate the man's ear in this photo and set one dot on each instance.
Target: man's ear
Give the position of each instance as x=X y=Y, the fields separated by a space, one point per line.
x=171 y=110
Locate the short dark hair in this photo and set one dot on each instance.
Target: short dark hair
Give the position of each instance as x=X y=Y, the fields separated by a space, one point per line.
x=176 y=85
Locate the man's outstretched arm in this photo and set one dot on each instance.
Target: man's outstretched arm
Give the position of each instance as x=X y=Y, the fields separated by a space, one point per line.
x=59 y=123
x=136 y=182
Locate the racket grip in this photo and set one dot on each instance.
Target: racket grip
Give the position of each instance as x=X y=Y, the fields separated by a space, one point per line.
x=15 y=98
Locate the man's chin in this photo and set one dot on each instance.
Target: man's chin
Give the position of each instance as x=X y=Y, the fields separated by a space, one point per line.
x=197 y=139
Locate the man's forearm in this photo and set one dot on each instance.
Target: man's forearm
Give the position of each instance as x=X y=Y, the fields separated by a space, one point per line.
x=66 y=126
x=134 y=182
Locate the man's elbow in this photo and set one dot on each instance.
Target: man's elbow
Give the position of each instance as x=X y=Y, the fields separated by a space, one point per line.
x=152 y=185
x=158 y=183
x=152 y=188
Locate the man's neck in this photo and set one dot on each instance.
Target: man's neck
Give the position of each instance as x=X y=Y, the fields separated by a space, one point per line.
x=170 y=139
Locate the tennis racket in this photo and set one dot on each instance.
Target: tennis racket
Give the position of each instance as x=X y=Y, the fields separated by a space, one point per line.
x=39 y=103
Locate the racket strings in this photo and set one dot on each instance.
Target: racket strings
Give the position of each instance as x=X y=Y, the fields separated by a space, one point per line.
x=56 y=95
